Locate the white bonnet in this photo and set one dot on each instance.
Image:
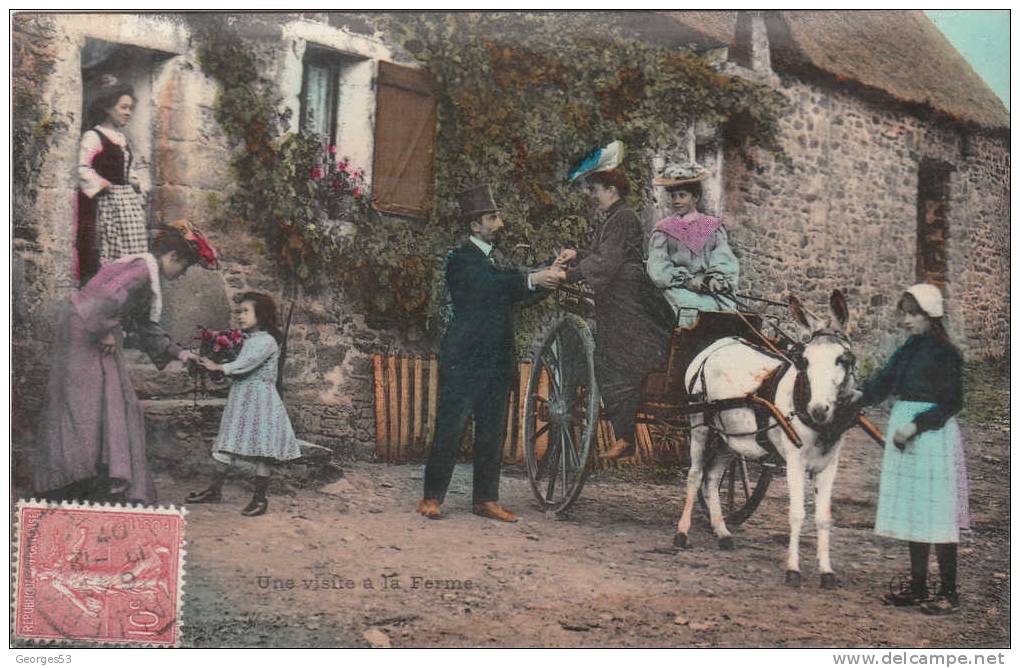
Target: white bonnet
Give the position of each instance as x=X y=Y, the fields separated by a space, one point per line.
x=928 y=297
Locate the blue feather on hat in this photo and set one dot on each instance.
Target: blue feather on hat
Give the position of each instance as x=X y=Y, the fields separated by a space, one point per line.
x=599 y=160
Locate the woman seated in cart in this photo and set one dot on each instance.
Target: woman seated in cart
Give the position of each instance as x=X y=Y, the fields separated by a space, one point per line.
x=633 y=320
x=689 y=256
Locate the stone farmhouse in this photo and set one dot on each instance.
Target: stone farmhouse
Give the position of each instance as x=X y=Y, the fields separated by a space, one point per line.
x=897 y=169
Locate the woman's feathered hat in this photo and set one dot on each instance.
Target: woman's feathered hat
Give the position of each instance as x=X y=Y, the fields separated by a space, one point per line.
x=600 y=160
x=207 y=255
x=680 y=173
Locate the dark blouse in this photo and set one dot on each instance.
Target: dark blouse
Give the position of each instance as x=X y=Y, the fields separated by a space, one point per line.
x=617 y=246
x=924 y=368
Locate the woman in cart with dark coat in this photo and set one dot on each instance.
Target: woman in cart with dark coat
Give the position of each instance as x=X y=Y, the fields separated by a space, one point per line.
x=633 y=320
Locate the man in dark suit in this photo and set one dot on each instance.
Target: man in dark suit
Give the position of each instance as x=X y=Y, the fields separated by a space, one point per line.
x=476 y=357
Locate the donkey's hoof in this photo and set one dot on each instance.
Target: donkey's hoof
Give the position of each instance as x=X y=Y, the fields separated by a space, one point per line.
x=726 y=543
x=793 y=578
x=829 y=581
x=680 y=540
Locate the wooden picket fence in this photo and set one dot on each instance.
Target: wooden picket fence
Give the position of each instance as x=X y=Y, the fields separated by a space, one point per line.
x=407 y=401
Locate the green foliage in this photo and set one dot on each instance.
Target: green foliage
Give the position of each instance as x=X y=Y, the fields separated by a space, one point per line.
x=522 y=97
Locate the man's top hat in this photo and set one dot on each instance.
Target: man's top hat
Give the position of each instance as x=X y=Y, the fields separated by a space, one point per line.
x=476 y=201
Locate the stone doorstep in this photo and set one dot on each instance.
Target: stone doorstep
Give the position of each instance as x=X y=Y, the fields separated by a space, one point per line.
x=179 y=433
x=172 y=381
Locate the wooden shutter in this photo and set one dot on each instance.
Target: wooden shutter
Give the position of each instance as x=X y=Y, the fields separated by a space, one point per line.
x=405 y=141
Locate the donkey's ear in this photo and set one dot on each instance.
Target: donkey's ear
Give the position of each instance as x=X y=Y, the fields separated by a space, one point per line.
x=837 y=303
x=797 y=311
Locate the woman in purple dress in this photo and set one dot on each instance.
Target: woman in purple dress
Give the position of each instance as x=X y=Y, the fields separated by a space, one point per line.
x=91 y=437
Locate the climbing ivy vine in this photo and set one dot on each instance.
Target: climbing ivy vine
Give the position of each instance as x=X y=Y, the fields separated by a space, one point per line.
x=521 y=97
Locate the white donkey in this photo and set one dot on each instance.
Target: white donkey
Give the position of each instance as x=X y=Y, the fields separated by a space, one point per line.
x=815 y=387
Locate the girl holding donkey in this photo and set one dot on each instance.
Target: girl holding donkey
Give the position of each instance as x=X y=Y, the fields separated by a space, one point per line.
x=923 y=488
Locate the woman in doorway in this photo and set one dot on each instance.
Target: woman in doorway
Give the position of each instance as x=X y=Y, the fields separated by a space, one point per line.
x=111 y=212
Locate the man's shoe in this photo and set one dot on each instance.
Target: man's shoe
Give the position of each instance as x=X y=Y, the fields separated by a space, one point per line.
x=430 y=509
x=208 y=495
x=494 y=511
x=620 y=450
x=942 y=604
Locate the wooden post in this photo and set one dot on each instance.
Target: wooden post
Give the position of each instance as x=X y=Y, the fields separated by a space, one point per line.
x=405 y=408
x=379 y=382
x=602 y=442
x=542 y=442
x=507 y=451
x=392 y=405
x=418 y=404
x=644 y=443
x=522 y=400
x=433 y=370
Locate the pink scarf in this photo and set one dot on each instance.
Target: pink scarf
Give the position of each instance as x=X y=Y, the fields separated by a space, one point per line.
x=693 y=230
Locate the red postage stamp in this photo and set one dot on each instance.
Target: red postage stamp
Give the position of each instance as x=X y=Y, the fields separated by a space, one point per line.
x=106 y=574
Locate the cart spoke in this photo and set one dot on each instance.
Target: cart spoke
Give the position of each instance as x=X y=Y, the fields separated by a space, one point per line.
x=744 y=478
x=553 y=457
x=571 y=448
x=563 y=462
x=554 y=376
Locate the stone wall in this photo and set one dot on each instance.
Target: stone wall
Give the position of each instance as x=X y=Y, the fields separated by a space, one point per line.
x=328 y=382
x=841 y=212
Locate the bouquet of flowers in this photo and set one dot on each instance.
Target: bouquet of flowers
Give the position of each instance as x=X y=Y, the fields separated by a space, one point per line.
x=219 y=346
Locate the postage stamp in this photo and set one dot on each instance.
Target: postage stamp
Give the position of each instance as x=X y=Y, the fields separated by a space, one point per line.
x=106 y=574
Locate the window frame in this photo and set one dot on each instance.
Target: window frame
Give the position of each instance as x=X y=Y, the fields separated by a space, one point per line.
x=333 y=61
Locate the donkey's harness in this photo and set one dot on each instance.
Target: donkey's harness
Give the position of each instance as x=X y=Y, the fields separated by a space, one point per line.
x=763 y=400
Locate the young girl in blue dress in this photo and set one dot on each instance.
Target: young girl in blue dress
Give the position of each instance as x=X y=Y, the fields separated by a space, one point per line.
x=255 y=425
x=923 y=487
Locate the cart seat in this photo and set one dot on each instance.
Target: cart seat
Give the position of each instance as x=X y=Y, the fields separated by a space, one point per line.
x=667 y=387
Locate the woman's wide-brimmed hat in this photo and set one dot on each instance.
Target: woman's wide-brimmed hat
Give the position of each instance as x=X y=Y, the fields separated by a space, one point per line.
x=476 y=201
x=680 y=173
x=928 y=297
x=207 y=255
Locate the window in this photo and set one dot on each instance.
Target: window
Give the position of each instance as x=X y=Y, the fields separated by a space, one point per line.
x=405 y=138
x=932 y=264
x=320 y=91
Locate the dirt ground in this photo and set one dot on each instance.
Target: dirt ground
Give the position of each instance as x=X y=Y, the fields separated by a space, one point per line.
x=321 y=569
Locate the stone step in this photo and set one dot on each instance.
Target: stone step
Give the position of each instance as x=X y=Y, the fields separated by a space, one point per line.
x=180 y=434
x=171 y=382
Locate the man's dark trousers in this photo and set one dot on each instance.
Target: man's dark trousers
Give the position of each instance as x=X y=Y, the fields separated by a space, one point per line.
x=476 y=363
x=460 y=397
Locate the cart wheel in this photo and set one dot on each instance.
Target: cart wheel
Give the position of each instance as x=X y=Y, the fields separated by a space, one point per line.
x=560 y=412
x=742 y=487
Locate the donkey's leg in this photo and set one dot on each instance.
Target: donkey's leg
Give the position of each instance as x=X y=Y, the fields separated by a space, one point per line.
x=795 y=479
x=824 y=481
x=698 y=440
x=711 y=487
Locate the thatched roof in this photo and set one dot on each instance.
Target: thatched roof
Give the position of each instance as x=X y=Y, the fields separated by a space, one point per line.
x=900 y=53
